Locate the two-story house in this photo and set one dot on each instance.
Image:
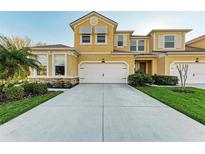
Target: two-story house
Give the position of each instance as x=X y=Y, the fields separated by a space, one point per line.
x=104 y=54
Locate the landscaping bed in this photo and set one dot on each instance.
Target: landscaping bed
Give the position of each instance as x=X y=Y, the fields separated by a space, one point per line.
x=15 y=100
x=191 y=104
x=12 y=109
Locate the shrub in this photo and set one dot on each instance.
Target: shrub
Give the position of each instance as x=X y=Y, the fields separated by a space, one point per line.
x=28 y=88
x=60 y=85
x=14 y=93
x=40 y=88
x=68 y=85
x=1 y=92
x=139 y=79
x=165 y=80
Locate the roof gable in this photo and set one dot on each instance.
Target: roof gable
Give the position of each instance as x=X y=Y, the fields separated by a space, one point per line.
x=196 y=40
x=93 y=13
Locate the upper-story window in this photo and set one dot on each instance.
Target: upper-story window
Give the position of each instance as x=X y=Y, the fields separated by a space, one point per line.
x=86 y=38
x=101 y=38
x=42 y=70
x=120 y=40
x=59 y=64
x=101 y=34
x=169 y=41
x=85 y=35
x=137 y=45
x=140 y=45
x=133 y=45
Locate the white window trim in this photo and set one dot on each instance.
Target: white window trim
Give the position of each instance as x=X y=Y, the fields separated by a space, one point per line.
x=82 y=43
x=137 y=45
x=100 y=43
x=53 y=66
x=174 y=41
x=122 y=41
x=35 y=70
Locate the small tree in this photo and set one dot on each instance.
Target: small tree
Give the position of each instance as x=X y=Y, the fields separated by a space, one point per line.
x=14 y=58
x=183 y=70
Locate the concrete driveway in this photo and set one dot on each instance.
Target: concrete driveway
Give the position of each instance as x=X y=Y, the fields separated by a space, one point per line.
x=102 y=112
x=197 y=85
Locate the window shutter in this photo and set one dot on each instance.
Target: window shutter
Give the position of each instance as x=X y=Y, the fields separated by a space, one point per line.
x=85 y=30
x=101 y=29
x=160 y=41
x=178 y=41
x=115 y=40
x=124 y=40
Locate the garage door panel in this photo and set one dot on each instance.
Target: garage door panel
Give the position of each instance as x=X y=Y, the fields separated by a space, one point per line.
x=196 y=72
x=103 y=73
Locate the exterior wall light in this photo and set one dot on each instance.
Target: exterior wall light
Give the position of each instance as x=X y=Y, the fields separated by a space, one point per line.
x=103 y=60
x=197 y=60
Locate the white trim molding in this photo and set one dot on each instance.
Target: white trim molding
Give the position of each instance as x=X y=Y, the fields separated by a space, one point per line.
x=81 y=43
x=174 y=41
x=53 y=66
x=35 y=71
x=96 y=43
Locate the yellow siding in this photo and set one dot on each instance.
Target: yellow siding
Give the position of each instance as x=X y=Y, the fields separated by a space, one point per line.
x=124 y=48
x=198 y=44
x=72 y=66
x=147 y=43
x=156 y=35
x=71 y=62
x=161 y=66
x=94 y=47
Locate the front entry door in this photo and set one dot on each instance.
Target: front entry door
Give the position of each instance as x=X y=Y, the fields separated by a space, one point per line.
x=142 y=67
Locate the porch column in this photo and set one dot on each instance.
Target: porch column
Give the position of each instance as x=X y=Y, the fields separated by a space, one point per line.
x=154 y=66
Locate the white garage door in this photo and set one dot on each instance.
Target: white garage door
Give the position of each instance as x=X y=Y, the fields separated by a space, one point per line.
x=103 y=73
x=196 y=72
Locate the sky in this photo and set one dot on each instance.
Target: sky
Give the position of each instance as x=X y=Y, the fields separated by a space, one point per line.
x=53 y=27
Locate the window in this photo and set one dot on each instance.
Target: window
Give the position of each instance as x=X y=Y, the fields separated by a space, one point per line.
x=42 y=70
x=169 y=41
x=120 y=40
x=101 y=38
x=59 y=65
x=85 y=39
x=140 y=45
x=133 y=45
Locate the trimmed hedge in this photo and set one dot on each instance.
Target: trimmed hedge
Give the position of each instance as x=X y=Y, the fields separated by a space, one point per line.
x=28 y=88
x=139 y=79
x=165 y=80
x=14 y=93
x=60 y=85
x=35 y=88
x=40 y=88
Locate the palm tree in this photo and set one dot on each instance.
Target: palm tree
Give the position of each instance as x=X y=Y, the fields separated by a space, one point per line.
x=14 y=60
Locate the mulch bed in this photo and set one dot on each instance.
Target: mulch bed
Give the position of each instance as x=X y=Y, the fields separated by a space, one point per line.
x=185 y=91
x=5 y=101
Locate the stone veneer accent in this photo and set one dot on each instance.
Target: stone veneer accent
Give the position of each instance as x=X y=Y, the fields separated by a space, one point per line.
x=55 y=80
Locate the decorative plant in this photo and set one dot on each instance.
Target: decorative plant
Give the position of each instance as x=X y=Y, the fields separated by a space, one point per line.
x=183 y=70
x=14 y=60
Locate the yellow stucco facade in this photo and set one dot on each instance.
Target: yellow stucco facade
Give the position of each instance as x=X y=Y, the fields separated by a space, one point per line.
x=153 y=56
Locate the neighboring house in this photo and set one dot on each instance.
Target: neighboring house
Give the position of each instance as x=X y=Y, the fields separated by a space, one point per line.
x=103 y=54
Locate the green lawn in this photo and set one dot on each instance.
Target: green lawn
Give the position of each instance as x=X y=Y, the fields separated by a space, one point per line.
x=13 y=109
x=191 y=104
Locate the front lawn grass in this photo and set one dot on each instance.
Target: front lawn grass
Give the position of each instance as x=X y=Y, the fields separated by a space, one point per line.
x=13 y=109
x=191 y=104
